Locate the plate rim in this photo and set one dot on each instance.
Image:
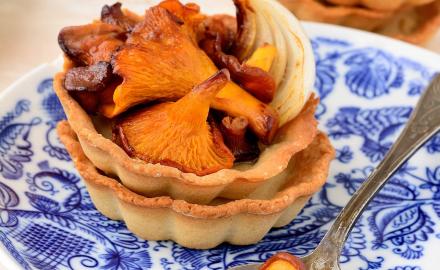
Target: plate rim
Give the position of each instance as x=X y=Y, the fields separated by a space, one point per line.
x=387 y=42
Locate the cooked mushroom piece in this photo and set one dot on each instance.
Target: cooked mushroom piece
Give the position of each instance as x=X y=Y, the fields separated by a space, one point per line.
x=188 y=14
x=177 y=133
x=88 y=78
x=159 y=61
x=114 y=15
x=162 y=61
x=242 y=144
x=91 y=43
x=255 y=80
x=87 y=100
x=221 y=25
x=246 y=30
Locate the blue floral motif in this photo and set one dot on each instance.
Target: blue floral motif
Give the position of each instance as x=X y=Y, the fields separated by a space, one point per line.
x=326 y=76
x=8 y=200
x=58 y=207
x=405 y=268
x=49 y=178
x=376 y=126
x=416 y=87
x=325 y=79
x=52 y=106
x=403 y=226
x=397 y=216
x=120 y=259
x=50 y=102
x=354 y=246
x=432 y=183
x=352 y=181
x=372 y=73
x=15 y=148
x=344 y=155
x=433 y=145
x=166 y=264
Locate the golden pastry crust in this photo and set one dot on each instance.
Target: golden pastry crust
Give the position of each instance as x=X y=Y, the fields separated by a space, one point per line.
x=381 y=4
x=241 y=222
x=415 y=22
x=415 y=25
x=352 y=16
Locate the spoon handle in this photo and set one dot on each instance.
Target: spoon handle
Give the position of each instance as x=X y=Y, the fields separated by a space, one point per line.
x=423 y=123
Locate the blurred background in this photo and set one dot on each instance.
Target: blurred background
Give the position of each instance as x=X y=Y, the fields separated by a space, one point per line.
x=29 y=28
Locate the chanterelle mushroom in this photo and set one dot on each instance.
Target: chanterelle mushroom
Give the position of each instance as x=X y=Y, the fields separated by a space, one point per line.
x=91 y=43
x=177 y=133
x=162 y=60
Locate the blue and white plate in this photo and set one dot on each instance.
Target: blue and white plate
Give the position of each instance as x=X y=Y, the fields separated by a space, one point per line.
x=368 y=85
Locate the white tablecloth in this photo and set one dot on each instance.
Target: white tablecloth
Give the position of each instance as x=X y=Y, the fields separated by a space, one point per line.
x=29 y=28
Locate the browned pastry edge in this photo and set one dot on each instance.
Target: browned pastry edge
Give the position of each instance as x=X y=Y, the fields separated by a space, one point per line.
x=309 y=172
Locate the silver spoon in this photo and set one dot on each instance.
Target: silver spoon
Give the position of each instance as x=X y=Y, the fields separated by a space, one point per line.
x=423 y=123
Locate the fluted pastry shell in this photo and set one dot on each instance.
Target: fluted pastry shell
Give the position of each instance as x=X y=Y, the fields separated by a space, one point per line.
x=381 y=4
x=415 y=25
x=352 y=16
x=239 y=222
x=235 y=183
x=413 y=21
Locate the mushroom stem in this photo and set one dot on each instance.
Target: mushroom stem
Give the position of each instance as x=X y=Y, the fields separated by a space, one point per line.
x=246 y=29
x=234 y=130
x=254 y=79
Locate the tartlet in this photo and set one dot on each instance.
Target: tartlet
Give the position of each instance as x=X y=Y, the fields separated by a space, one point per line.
x=352 y=16
x=239 y=222
x=412 y=21
x=293 y=69
x=415 y=25
x=380 y=4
